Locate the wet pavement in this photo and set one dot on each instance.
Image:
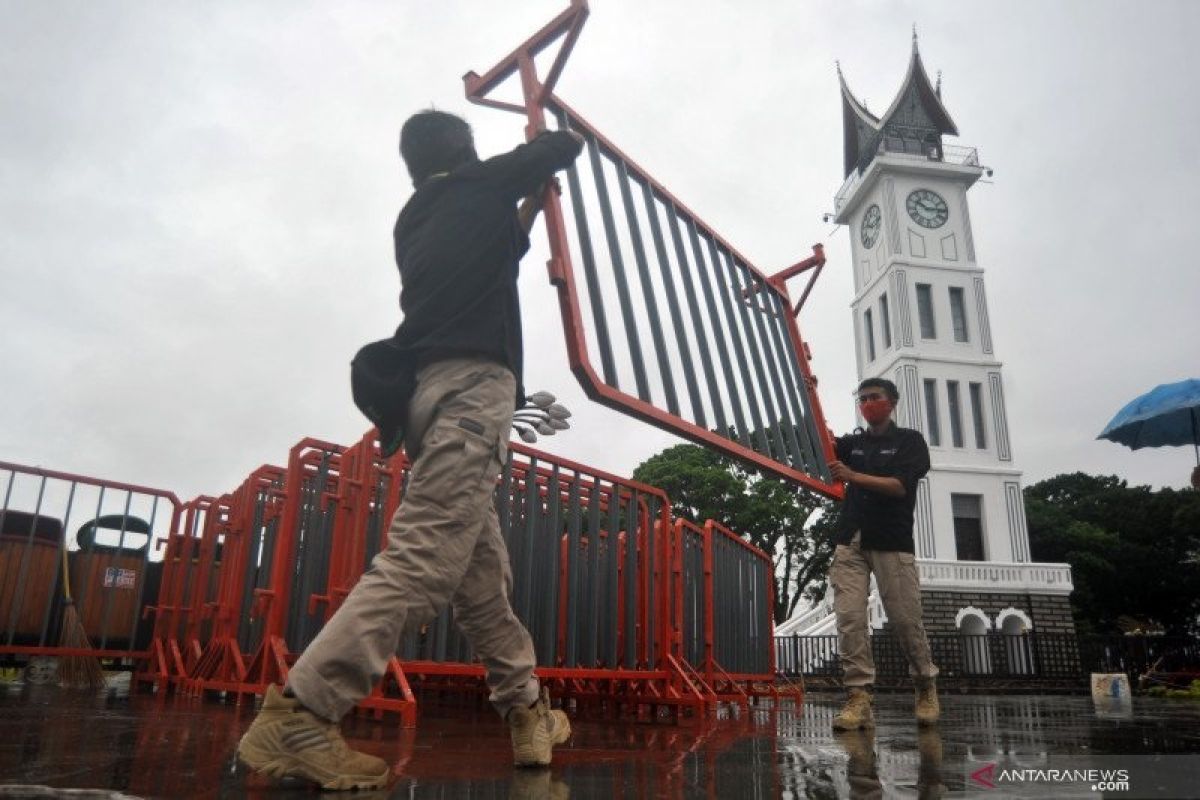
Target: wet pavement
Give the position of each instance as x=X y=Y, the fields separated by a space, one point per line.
x=144 y=745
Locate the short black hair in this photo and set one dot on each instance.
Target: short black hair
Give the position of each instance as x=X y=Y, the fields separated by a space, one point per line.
x=888 y=387
x=434 y=141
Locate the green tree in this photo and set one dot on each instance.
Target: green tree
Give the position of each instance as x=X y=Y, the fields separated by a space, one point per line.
x=1132 y=550
x=791 y=524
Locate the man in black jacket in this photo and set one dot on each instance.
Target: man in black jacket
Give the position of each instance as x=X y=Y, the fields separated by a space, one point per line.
x=881 y=467
x=458 y=240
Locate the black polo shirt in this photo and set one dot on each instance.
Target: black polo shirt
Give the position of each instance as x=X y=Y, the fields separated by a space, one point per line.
x=458 y=245
x=886 y=522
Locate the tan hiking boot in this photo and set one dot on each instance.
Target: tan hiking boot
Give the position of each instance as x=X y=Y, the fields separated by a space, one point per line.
x=856 y=713
x=537 y=784
x=861 y=768
x=928 y=708
x=287 y=740
x=929 y=770
x=535 y=731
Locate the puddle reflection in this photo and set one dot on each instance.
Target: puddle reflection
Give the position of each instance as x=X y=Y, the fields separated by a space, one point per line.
x=148 y=746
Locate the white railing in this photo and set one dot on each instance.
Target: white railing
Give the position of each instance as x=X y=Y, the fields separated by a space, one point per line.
x=995 y=576
x=800 y=623
x=820 y=620
x=946 y=154
x=876 y=616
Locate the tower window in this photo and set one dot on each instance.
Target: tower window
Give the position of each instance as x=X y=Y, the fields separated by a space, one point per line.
x=933 y=428
x=885 y=321
x=956 y=429
x=925 y=311
x=976 y=390
x=958 y=314
x=869 y=330
x=968 y=526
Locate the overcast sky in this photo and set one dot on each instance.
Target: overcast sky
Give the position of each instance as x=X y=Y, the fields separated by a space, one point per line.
x=196 y=202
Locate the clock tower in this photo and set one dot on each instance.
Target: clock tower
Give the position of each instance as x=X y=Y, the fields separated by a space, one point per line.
x=921 y=319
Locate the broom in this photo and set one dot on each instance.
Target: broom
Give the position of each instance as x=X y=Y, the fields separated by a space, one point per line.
x=75 y=670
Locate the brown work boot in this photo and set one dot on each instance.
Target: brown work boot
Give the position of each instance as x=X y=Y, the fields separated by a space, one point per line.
x=929 y=770
x=927 y=708
x=856 y=713
x=861 y=768
x=535 y=731
x=286 y=740
x=537 y=784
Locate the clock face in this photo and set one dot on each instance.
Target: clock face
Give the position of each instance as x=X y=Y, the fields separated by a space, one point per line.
x=927 y=208
x=871 y=223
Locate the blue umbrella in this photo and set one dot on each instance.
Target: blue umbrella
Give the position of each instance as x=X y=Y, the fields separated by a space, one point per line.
x=1166 y=415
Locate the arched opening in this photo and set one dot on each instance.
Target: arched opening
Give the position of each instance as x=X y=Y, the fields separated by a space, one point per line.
x=1018 y=648
x=973 y=628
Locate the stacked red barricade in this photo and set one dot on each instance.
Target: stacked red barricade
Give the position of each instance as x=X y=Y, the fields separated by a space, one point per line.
x=628 y=607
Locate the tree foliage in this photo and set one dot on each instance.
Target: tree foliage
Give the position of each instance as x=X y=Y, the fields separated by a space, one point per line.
x=790 y=524
x=1134 y=552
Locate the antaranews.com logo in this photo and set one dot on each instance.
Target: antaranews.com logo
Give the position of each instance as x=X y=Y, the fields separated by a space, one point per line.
x=1099 y=780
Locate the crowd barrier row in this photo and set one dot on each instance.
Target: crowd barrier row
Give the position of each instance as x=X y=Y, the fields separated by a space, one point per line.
x=627 y=606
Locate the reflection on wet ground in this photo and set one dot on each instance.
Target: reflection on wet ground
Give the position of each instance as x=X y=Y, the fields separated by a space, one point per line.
x=148 y=746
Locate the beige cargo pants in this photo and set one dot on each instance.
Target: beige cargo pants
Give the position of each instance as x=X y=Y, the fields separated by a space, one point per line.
x=444 y=546
x=900 y=591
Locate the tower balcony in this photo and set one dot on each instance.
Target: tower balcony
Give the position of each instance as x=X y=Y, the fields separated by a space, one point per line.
x=995 y=576
x=943 y=575
x=909 y=156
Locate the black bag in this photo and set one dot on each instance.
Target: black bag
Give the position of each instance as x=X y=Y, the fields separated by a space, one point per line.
x=383 y=377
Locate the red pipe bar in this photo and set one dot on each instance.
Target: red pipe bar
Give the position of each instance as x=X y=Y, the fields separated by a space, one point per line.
x=538 y=95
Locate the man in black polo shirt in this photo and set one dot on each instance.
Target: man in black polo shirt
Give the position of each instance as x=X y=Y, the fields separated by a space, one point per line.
x=881 y=467
x=459 y=241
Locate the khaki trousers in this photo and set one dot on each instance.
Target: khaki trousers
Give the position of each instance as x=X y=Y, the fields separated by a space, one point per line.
x=900 y=590
x=444 y=546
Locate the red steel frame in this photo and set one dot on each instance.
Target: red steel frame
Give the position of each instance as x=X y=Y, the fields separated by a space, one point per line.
x=219 y=665
x=270 y=662
x=537 y=93
x=361 y=464
x=724 y=686
x=206 y=647
x=656 y=536
x=187 y=656
x=359 y=467
x=668 y=683
x=182 y=564
x=176 y=507
x=758 y=684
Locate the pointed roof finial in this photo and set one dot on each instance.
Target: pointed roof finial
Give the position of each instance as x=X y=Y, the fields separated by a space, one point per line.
x=914 y=37
x=837 y=62
x=937 y=89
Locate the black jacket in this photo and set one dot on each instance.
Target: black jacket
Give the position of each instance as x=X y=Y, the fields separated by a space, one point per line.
x=458 y=245
x=886 y=522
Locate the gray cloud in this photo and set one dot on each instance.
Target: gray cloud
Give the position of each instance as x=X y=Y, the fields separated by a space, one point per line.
x=197 y=201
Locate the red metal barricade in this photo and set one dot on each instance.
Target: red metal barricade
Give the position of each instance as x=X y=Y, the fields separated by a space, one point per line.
x=238 y=527
x=628 y=608
x=723 y=599
x=725 y=366
x=106 y=528
x=184 y=567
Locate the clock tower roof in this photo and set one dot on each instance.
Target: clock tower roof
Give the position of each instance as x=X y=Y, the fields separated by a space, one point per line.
x=916 y=116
